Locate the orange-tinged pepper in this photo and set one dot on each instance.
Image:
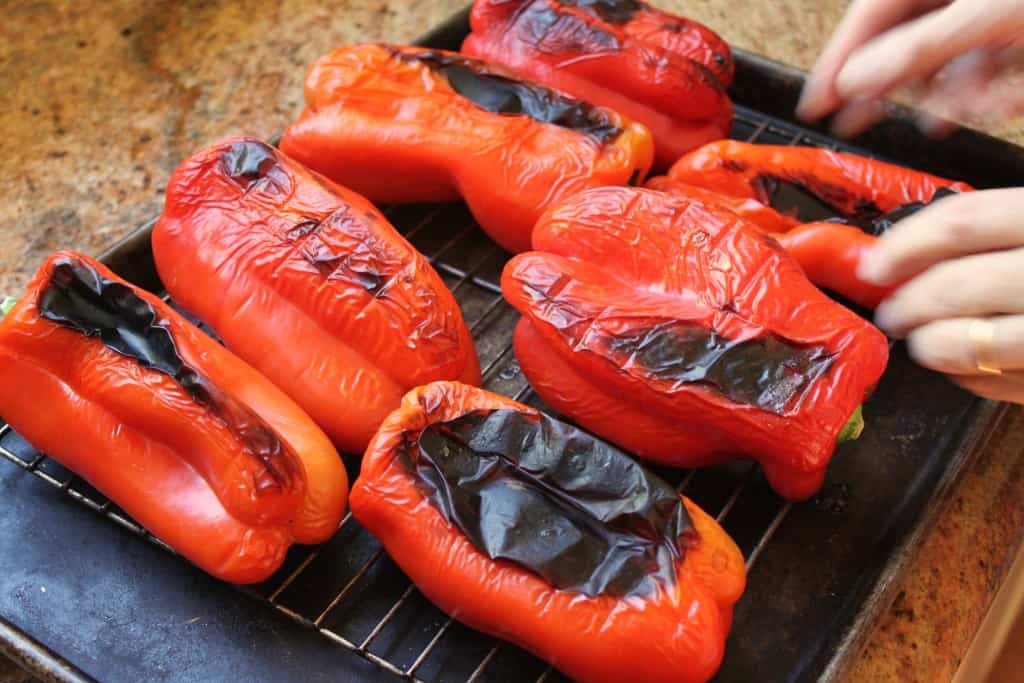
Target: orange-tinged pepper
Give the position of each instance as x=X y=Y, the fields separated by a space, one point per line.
x=409 y=124
x=664 y=71
x=193 y=443
x=536 y=493
x=309 y=283
x=682 y=333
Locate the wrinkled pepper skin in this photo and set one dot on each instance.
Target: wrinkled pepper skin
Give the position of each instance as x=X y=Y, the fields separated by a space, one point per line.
x=310 y=284
x=618 y=54
x=400 y=124
x=854 y=186
x=212 y=459
x=763 y=216
x=676 y=633
x=829 y=253
x=683 y=334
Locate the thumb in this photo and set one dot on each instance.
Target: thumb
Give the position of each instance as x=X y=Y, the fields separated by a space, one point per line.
x=919 y=48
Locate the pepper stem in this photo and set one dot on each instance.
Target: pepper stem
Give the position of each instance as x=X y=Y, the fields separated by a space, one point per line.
x=853 y=427
x=6 y=305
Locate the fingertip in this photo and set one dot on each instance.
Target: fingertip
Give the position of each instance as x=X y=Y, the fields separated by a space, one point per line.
x=813 y=104
x=887 y=319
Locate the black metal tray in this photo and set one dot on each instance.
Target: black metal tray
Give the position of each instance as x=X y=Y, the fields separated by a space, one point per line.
x=115 y=608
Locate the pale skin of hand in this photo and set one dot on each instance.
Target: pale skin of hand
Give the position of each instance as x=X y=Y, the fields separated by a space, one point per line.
x=961 y=259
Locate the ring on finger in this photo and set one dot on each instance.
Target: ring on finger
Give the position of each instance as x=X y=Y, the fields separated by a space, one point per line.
x=982 y=335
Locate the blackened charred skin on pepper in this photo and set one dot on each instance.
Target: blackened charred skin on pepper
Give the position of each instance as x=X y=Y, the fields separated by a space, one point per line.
x=767 y=372
x=557 y=32
x=878 y=224
x=612 y=11
x=503 y=95
x=532 y=490
x=79 y=298
x=250 y=164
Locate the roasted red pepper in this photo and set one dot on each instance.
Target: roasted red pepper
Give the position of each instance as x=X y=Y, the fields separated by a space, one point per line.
x=856 y=195
x=408 y=124
x=533 y=531
x=666 y=72
x=828 y=252
x=185 y=437
x=309 y=283
x=821 y=183
x=679 y=332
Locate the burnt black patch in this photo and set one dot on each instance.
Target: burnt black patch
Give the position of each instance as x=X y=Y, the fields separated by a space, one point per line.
x=79 y=298
x=252 y=163
x=612 y=11
x=554 y=32
x=503 y=95
x=303 y=228
x=768 y=372
x=578 y=512
x=878 y=223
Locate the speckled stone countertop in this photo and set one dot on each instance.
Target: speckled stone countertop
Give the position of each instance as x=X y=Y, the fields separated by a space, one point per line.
x=102 y=100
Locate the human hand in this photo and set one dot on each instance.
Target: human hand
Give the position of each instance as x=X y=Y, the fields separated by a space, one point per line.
x=948 y=53
x=961 y=307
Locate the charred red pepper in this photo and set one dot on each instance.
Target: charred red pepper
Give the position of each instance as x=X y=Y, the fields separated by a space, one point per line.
x=185 y=437
x=664 y=71
x=850 y=198
x=533 y=531
x=309 y=283
x=408 y=124
x=812 y=183
x=679 y=332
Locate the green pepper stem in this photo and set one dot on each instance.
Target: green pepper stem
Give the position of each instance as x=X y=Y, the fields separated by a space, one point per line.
x=6 y=305
x=853 y=427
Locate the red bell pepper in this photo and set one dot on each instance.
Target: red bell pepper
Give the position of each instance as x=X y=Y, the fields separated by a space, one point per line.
x=848 y=185
x=681 y=333
x=189 y=440
x=666 y=72
x=309 y=283
x=408 y=124
x=533 y=531
x=828 y=252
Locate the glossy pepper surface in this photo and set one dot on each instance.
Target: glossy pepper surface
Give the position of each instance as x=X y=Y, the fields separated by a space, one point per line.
x=309 y=283
x=533 y=531
x=189 y=440
x=828 y=183
x=828 y=252
x=408 y=124
x=678 y=331
x=664 y=71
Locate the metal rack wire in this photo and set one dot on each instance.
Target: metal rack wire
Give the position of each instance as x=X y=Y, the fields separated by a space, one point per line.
x=349 y=590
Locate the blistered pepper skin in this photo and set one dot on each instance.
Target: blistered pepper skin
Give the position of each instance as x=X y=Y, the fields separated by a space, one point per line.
x=675 y=634
x=854 y=185
x=666 y=72
x=309 y=283
x=387 y=122
x=625 y=282
x=829 y=253
x=179 y=467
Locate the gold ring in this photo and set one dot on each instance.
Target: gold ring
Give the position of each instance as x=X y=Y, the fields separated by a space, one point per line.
x=982 y=334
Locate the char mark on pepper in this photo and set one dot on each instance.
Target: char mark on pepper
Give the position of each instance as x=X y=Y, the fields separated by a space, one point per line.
x=767 y=372
x=612 y=11
x=500 y=94
x=250 y=163
x=559 y=33
x=79 y=298
x=535 y=491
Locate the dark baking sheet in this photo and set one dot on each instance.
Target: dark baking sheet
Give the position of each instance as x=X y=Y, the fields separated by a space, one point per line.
x=117 y=608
